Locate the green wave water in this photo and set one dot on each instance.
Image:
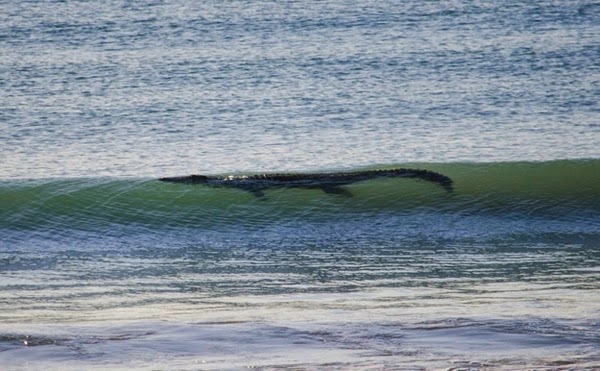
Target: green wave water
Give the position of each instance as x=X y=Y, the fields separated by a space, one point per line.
x=559 y=190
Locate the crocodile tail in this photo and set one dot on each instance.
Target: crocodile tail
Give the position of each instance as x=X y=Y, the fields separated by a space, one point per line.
x=428 y=175
x=432 y=176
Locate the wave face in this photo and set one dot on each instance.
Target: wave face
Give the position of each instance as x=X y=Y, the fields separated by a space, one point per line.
x=491 y=199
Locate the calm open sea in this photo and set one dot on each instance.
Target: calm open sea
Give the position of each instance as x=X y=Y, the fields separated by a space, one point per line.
x=104 y=267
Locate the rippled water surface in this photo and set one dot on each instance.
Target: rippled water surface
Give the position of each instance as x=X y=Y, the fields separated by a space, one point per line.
x=102 y=266
x=125 y=88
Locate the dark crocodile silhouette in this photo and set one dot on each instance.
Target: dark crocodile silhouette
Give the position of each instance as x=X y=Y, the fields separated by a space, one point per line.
x=327 y=182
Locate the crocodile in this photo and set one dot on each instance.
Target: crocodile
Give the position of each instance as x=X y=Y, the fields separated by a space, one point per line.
x=331 y=183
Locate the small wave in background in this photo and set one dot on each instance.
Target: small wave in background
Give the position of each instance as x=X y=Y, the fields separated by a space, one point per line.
x=557 y=191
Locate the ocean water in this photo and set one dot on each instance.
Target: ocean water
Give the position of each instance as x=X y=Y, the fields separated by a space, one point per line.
x=104 y=267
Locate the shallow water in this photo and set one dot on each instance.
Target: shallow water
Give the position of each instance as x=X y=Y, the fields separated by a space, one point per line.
x=103 y=266
x=262 y=301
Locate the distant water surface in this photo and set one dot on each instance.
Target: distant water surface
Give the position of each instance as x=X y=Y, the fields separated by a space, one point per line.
x=146 y=89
